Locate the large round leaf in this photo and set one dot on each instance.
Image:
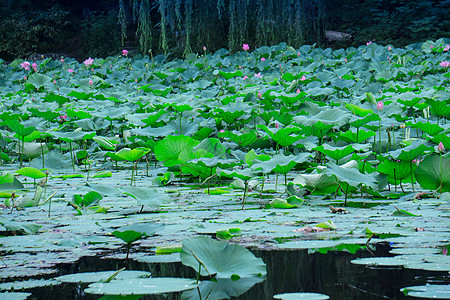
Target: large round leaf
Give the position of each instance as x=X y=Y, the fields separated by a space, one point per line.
x=89 y=277
x=434 y=171
x=220 y=258
x=168 y=149
x=142 y=286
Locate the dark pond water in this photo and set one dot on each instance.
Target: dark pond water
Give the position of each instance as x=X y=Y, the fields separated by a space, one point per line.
x=287 y=271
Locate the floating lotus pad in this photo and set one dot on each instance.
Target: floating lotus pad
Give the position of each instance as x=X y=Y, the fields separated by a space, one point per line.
x=306 y=296
x=143 y=286
x=429 y=291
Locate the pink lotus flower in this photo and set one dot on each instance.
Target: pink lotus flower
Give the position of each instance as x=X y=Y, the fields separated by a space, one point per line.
x=346 y=60
x=447 y=48
x=24 y=77
x=298 y=53
x=445 y=64
x=88 y=62
x=245 y=47
x=222 y=131
x=245 y=77
x=125 y=52
x=368 y=43
x=440 y=147
x=34 y=65
x=277 y=125
x=259 y=95
x=70 y=70
x=54 y=81
x=389 y=48
x=25 y=65
x=259 y=75
x=297 y=91
x=204 y=48
x=90 y=81
x=380 y=105
x=263 y=59
x=303 y=78
x=431 y=47
x=63 y=117
x=62 y=60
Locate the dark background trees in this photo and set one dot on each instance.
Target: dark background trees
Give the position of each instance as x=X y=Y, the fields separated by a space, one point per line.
x=102 y=27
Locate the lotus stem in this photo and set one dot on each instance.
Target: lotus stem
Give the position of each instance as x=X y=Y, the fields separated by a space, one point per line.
x=395 y=180
x=245 y=193
x=42 y=152
x=71 y=156
x=262 y=187
x=440 y=172
x=128 y=251
x=21 y=151
x=276 y=183
x=412 y=175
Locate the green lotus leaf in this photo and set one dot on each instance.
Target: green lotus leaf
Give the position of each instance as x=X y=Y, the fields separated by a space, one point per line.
x=168 y=149
x=412 y=151
x=442 y=137
x=229 y=75
x=431 y=129
x=433 y=173
x=220 y=258
x=31 y=172
x=38 y=80
x=81 y=114
x=72 y=136
x=280 y=163
x=147 y=196
x=397 y=171
x=350 y=176
x=18 y=128
x=102 y=174
x=104 y=143
x=132 y=154
x=282 y=136
x=317 y=183
x=14 y=295
x=439 y=107
x=291 y=202
x=244 y=174
x=90 y=277
x=251 y=156
x=6 y=178
x=26 y=228
x=141 y=286
x=336 y=153
x=80 y=95
x=242 y=139
x=306 y=296
x=358 y=122
x=89 y=199
x=331 y=116
x=358 y=136
x=134 y=232
x=213 y=146
x=327 y=225
x=428 y=291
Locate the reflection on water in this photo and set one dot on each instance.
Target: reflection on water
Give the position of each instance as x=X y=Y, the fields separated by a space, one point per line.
x=287 y=272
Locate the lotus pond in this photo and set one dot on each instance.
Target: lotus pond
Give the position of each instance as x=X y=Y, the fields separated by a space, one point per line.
x=122 y=177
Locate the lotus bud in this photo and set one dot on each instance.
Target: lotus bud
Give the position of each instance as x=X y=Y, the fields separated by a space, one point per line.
x=440 y=147
x=259 y=95
x=380 y=105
